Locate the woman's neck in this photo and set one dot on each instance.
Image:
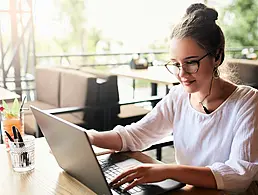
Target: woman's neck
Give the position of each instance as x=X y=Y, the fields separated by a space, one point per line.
x=215 y=91
x=204 y=100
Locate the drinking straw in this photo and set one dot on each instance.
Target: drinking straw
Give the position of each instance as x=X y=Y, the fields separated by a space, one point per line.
x=22 y=103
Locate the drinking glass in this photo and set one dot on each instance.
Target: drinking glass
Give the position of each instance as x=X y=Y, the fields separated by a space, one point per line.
x=23 y=154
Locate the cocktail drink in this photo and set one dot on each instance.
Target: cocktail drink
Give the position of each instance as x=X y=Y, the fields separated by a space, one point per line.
x=11 y=117
x=8 y=121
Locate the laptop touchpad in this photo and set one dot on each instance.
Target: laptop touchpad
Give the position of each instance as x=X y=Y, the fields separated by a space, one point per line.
x=128 y=163
x=122 y=161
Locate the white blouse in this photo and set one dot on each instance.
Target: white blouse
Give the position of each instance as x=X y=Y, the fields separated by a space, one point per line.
x=226 y=140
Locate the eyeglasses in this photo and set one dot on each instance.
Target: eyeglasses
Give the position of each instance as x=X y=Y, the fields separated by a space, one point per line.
x=190 y=67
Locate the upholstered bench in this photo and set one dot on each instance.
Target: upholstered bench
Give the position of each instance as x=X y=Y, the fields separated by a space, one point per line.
x=95 y=100
x=57 y=88
x=47 y=81
x=243 y=71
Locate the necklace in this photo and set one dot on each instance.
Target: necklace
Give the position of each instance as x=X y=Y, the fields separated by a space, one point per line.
x=201 y=102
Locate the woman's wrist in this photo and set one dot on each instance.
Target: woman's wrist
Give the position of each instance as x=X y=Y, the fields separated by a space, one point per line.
x=197 y=176
x=170 y=170
x=91 y=135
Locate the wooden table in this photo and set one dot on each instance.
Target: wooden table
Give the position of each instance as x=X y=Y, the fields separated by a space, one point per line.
x=49 y=178
x=154 y=74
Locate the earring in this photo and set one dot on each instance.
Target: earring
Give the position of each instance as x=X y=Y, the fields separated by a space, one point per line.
x=216 y=73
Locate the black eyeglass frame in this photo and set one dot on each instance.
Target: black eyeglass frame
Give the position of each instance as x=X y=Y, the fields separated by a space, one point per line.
x=179 y=67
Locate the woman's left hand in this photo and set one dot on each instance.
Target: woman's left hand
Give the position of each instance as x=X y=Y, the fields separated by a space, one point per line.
x=145 y=173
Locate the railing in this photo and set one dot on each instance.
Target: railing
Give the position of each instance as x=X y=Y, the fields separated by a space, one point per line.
x=116 y=59
x=104 y=59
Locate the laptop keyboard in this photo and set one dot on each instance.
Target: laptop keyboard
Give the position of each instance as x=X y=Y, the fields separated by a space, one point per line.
x=111 y=171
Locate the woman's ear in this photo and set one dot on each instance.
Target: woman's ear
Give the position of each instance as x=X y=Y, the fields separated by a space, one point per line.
x=219 y=58
x=218 y=53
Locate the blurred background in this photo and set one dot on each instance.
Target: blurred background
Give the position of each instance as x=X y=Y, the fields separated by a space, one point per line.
x=105 y=32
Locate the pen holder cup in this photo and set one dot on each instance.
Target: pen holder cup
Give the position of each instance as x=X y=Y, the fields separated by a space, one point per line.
x=23 y=154
x=6 y=125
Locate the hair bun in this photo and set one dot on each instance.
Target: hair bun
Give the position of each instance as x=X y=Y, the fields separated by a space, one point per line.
x=201 y=10
x=196 y=6
x=211 y=14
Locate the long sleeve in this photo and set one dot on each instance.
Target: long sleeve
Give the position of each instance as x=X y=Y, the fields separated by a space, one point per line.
x=226 y=140
x=154 y=126
x=237 y=173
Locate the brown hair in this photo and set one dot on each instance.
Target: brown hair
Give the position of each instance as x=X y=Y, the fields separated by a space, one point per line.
x=199 y=23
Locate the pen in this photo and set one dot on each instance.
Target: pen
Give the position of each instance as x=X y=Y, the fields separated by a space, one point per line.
x=8 y=135
x=20 y=140
x=24 y=155
x=14 y=133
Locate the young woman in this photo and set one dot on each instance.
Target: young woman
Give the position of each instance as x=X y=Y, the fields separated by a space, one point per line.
x=214 y=122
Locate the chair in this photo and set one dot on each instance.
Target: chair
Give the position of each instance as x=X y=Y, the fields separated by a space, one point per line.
x=167 y=141
x=118 y=112
x=85 y=100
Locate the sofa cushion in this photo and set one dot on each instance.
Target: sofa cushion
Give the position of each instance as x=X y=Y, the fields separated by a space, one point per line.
x=30 y=125
x=47 y=85
x=77 y=89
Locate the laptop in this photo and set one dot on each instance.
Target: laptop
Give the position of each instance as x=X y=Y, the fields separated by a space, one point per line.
x=73 y=151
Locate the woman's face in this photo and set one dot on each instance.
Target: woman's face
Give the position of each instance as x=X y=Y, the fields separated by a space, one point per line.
x=186 y=50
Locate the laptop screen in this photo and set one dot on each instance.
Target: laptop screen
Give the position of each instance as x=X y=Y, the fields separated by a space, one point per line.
x=71 y=147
